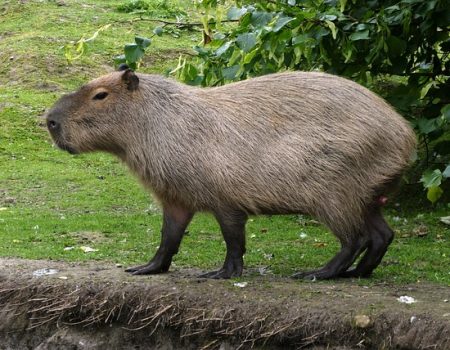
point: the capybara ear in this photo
(130, 79)
(122, 67)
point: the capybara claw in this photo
(219, 274)
(135, 268)
(314, 275)
(131, 270)
(307, 276)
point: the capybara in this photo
(287, 143)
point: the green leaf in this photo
(245, 20)
(132, 65)
(361, 26)
(201, 51)
(260, 19)
(332, 27)
(189, 73)
(320, 32)
(234, 13)
(446, 172)
(363, 35)
(446, 112)
(281, 21)
(292, 2)
(403, 96)
(229, 73)
(431, 178)
(347, 51)
(219, 36)
(248, 57)
(342, 4)
(119, 59)
(158, 31)
(235, 57)
(426, 88)
(246, 41)
(301, 39)
(434, 193)
(221, 50)
(133, 52)
(143, 42)
(328, 18)
(428, 125)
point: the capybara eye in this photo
(100, 95)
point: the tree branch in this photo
(417, 74)
(174, 23)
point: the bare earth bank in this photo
(99, 306)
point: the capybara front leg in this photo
(175, 221)
(232, 224)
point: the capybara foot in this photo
(231, 268)
(148, 269)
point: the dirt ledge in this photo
(87, 306)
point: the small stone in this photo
(269, 256)
(421, 231)
(241, 284)
(303, 235)
(362, 321)
(406, 299)
(88, 249)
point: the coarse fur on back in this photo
(295, 142)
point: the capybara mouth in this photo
(66, 147)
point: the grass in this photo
(50, 200)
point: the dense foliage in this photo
(400, 48)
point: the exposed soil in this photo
(99, 306)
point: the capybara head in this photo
(87, 120)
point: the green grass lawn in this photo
(50, 200)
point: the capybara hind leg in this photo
(232, 224)
(341, 262)
(380, 237)
(175, 221)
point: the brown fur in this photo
(299, 142)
